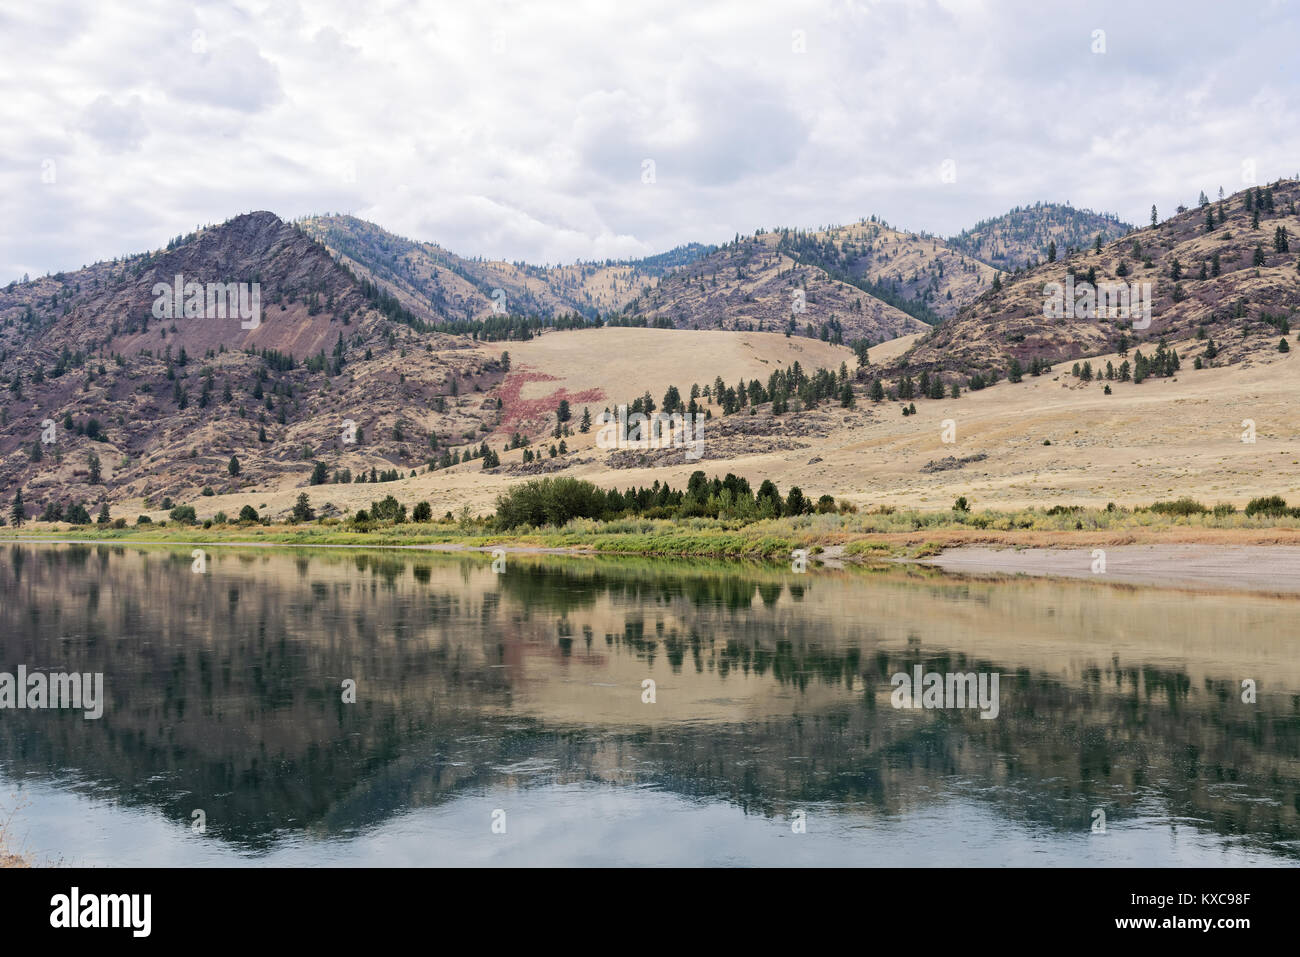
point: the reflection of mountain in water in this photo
(224, 688)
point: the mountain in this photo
(862, 281)
(750, 284)
(1022, 236)
(1228, 283)
(163, 403)
(438, 285)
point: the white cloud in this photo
(518, 130)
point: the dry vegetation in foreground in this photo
(9, 857)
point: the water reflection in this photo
(772, 692)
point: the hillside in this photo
(853, 282)
(163, 404)
(1022, 237)
(439, 285)
(752, 284)
(1228, 283)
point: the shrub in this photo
(143, 520)
(119, 523)
(422, 512)
(1182, 506)
(388, 510)
(549, 502)
(248, 514)
(207, 490)
(183, 514)
(1272, 505)
(221, 518)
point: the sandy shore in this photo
(1263, 568)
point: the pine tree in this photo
(877, 393)
(585, 425)
(18, 513)
(233, 466)
(302, 510)
(1153, 214)
(92, 462)
(1051, 251)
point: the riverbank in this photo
(1270, 568)
(984, 542)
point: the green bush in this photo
(184, 514)
(1181, 506)
(248, 514)
(1271, 505)
(549, 502)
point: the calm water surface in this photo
(519, 697)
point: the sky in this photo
(556, 131)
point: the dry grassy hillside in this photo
(1048, 440)
(1229, 283)
(1022, 237)
(751, 285)
(436, 284)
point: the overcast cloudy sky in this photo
(521, 130)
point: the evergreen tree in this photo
(302, 510)
(233, 465)
(18, 512)
(92, 462)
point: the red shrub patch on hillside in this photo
(517, 411)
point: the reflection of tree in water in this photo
(224, 694)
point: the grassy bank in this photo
(864, 537)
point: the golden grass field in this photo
(1161, 439)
